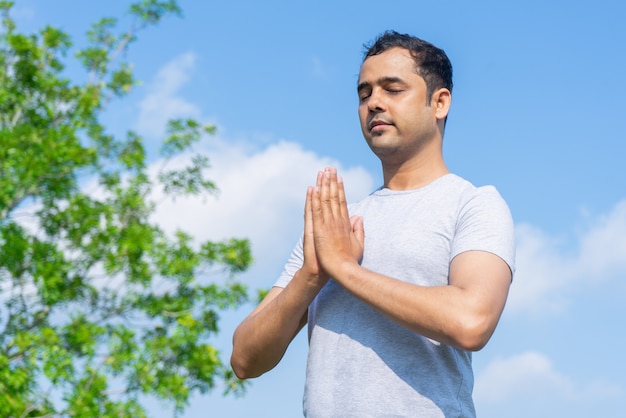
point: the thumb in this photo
(356, 222)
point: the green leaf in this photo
(100, 306)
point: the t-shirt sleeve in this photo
(485, 224)
(292, 266)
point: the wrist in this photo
(342, 270)
(313, 281)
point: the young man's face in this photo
(396, 117)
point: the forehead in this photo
(395, 62)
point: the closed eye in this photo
(364, 91)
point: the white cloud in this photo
(261, 197)
(546, 273)
(526, 373)
(532, 375)
(603, 248)
(162, 101)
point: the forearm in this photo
(261, 340)
(462, 314)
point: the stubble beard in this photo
(386, 147)
(393, 150)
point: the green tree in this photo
(98, 305)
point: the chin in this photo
(385, 151)
(383, 145)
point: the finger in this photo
(324, 190)
(308, 214)
(308, 244)
(318, 180)
(333, 190)
(315, 197)
(343, 204)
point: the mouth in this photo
(377, 125)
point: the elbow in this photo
(239, 361)
(242, 368)
(249, 361)
(237, 368)
(246, 365)
(473, 335)
(239, 371)
(473, 344)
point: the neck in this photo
(417, 172)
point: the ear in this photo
(441, 101)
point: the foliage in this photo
(98, 305)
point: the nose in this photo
(375, 103)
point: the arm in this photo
(463, 314)
(261, 340)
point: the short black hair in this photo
(431, 63)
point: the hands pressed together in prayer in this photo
(332, 239)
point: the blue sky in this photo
(537, 111)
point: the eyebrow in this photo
(383, 80)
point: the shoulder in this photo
(484, 222)
(467, 194)
(486, 199)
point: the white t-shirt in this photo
(362, 364)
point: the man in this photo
(398, 295)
